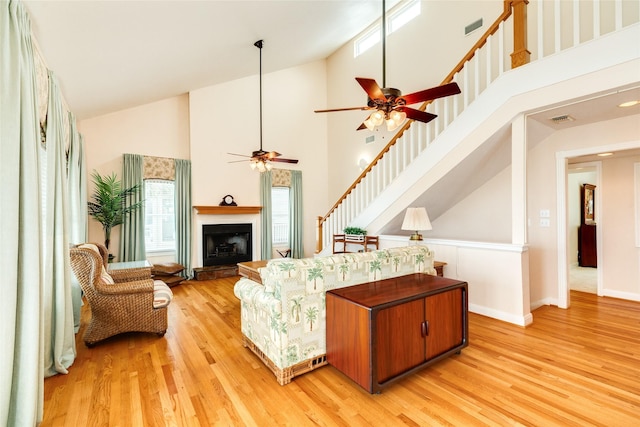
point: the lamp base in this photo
(416, 236)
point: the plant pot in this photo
(355, 237)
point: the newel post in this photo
(520, 55)
(319, 235)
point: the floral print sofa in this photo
(283, 319)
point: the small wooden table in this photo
(438, 265)
(249, 269)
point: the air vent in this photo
(562, 119)
(472, 27)
(370, 139)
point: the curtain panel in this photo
(266, 244)
(296, 222)
(132, 229)
(79, 218)
(183, 212)
(21, 317)
(59, 334)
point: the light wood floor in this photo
(571, 367)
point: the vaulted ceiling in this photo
(109, 55)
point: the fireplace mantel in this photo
(227, 210)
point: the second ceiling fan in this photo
(391, 107)
(261, 159)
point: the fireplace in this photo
(226, 244)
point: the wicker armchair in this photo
(126, 305)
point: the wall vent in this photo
(562, 119)
(369, 139)
(472, 27)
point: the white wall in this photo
(158, 129)
(225, 119)
(484, 215)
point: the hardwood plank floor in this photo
(576, 367)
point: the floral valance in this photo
(280, 178)
(159, 168)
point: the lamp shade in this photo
(416, 219)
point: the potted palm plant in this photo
(107, 205)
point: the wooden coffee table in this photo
(249, 269)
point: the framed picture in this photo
(588, 204)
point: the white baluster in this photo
(476, 76)
(465, 81)
(501, 55)
(489, 57)
(557, 18)
(540, 29)
(576, 22)
(596, 19)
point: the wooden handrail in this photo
(518, 28)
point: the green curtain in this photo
(182, 195)
(59, 338)
(132, 229)
(21, 317)
(265, 215)
(77, 190)
(296, 221)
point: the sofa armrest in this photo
(255, 294)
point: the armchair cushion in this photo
(162, 294)
(106, 277)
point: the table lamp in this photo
(416, 219)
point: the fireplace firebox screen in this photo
(226, 244)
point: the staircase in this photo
(488, 79)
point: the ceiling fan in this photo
(261, 159)
(389, 104)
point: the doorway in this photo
(583, 276)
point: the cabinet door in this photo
(400, 344)
(444, 321)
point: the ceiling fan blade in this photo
(239, 161)
(277, 159)
(362, 126)
(413, 114)
(371, 87)
(241, 155)
(342, 109)
(433, 93)
(271, 155)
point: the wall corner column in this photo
(519, 180)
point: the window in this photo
(159, 205)
(403, 15)
(280, 217)
(365, 42)
(395, 20)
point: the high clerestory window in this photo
(395, 20)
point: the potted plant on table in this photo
(355, 233)
(107, 203)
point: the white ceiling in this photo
(109, 55)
